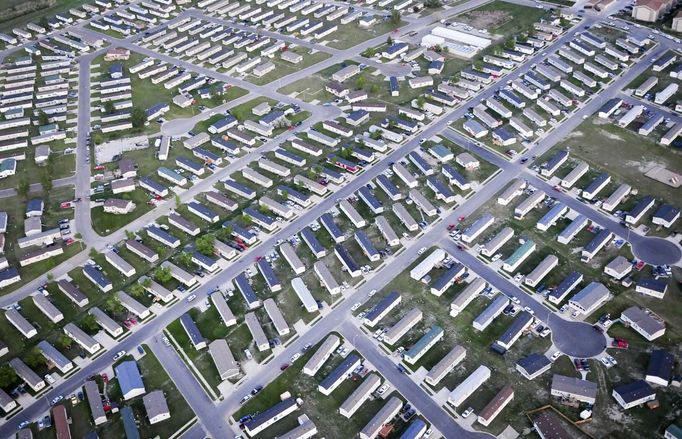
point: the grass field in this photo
(43, 9)
(502, 18)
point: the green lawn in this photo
(502, 18)
(40, 10)
(284, 68)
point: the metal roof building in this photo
(129, 379)
(247, 292)
(464, 298)
(386, 414)
(269, 275)
(569, 232)
(223, 309)
(496, 405)
(541, 270)
(445, 365)
(493, 310)
(533, 365)
(496, 242)
(276, 316)
(321, 355)
(20, 323)
(328, 223)
(326, 278)
(133, 305)
(360, 395)
(259, 337)
(381, 309)
(192, 331)
(447, 279)
(400, 328)
(570, 282)
(347, 260)
(366, 246)
(119, 263)
(339, 374)
(589, 298)
(27, 374)
(79, 336)
(292, 258)
(106, 322)
(434, 335)
(468, 386)
(55, 357)
(303, 294)
(574, 388)
(387, 231)
(223, 359)
(156, 407)
(95, 402)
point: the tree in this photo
(433, 3)
(8, 377)
(163, 274)
(136, 290)
(89, 323)
(34, 358)
(23, 187)
(204, 244)
(93, 253)
(360, 82)
(374, 89)
(43, 119)
(129, 234)
(78, 235)
(113, 305)
(369, 53)
(346, 153)
(147, 282)
(64, 341)
(109, 107)
(50, 277)
(138, 117)
(395, 17)
(246, 220)
(185, 258)
(376, 135)
(44, 22)
(389, 40)
(421, 100)
(225, 232)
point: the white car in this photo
(529, 310)
(605, 362)
(496, 257)
(371, 293)
(295, 357)
(382, 389)
(515, 299)
(355, 306)
(119, 354)
(191, 297)
(467, 412)
(555, 356)
(421, 250)
(49, 379)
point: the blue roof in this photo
(34, 205)
(256, 215)
(205, 154)
(388, 185)
(165, 236)
(347, 258)
(384, 303)
(191, 329)
(415, 430)
(96, 276)
(328, 222)
(268, 273)
(440, 187)
(223, 144)
(244, 287)
(115, 68)
(357, 115)
(226, 121)
(240, 187)
(290, 155)
(365, 243)
(369, 198)
(309, 237)
(454, 174)
(598, 240)
(292, 193)
(396, 47)
(189, 163)
(128, 376)
(567, 285)
(129, 424)
(419, 162)
(394, 83)
(340, 371)
(155, 108)
(203, 210)
(171, 173)
(205, 260)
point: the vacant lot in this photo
(502, 18)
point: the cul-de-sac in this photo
(340, 219)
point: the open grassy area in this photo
(625, 155)
(502, 18)
(284, 68)
(349, 35)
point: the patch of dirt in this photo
(487, 19)
(575, 134)
(612, 136)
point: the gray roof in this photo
(155, 404)
(223, 359)
(533, 363)
(574, 386)
(52, 354)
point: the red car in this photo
(461, 218)
(451, 227)
(99, 168)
